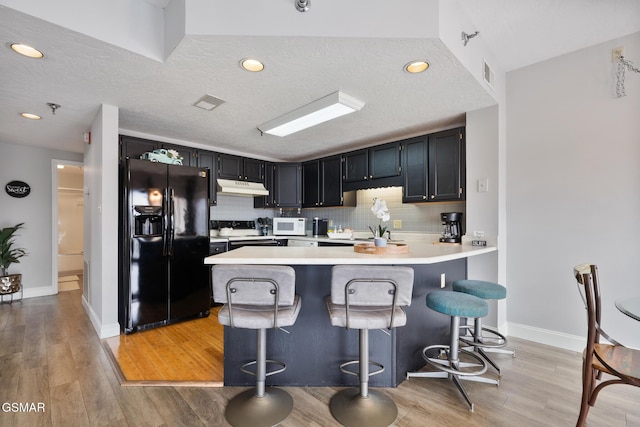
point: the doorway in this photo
(68, 201)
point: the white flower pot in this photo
(380, 241)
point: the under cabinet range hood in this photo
(241, 188)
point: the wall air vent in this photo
(488, 75)
(208, 102)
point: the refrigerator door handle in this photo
(171, 230)
(165, 232)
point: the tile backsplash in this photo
(416, 217)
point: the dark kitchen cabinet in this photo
(322, 184)
(416, 162)
(207, 159)
(384, 161)
(288, 185)
(374, 166)
(434, 167)
(447, 172)
(188, 154)
(269, 200)
(240, 168)
(356, 166)
(133, 147)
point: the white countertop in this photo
(419, 253)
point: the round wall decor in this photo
(17, 189)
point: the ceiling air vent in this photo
(208, 102)
(487, 74)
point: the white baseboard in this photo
(103, 331)
(42, 291)
(548, 337)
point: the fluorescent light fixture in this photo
(324, 109)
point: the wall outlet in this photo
(616, 53)
(443, 280)
(397, 224)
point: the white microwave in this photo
(289, 226)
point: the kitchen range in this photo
(238, 233)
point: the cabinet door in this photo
(356, 166)
(288, 182)
(311, 184)
(188, 154)
(446, 166)
(133, 148)
(415, 170)
(230, 167)
(384, 161)
(253, 170)
(331, 192)
(207, 159)
(266, 201)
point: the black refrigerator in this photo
(164, 229)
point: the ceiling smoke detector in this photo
(208, 102)
(303, 5)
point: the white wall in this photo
(101, 223)
(33, 166)
(573, 168)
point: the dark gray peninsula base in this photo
(313, 349)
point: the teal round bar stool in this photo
(456, 305)
(483, 339)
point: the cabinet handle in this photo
(370, 176)
(424, 197)
(433, 197)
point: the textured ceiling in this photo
(155, 98)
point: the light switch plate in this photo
(483, 185)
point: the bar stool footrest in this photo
(454, 367)
(356, 362)
(244, 369)
(497, 340)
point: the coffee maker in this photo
(452, 223)
(320, 226)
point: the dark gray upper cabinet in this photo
(384, 161)
(189, 155)
(356, 166)
(207, 159)
(447, 172)
(270, 200)
(240, 168)
(132, 147)
(415, 170)
(288, 185)
(311, 184)
(374, 166)
(322, 183)
(434, 167)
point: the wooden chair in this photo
(613, 359)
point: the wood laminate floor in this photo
(51, 358)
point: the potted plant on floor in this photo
(9, 283)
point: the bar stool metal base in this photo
(352, 410)
(491, 342)
(248, 410)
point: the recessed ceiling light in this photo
(30, 116)
(208, 102)
(26, 50)
(414, 67)
(252, 65)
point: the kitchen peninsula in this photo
(313, 349)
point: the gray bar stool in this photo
(363, 298)
(491, 340)
(456, 305)
(257, 297)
